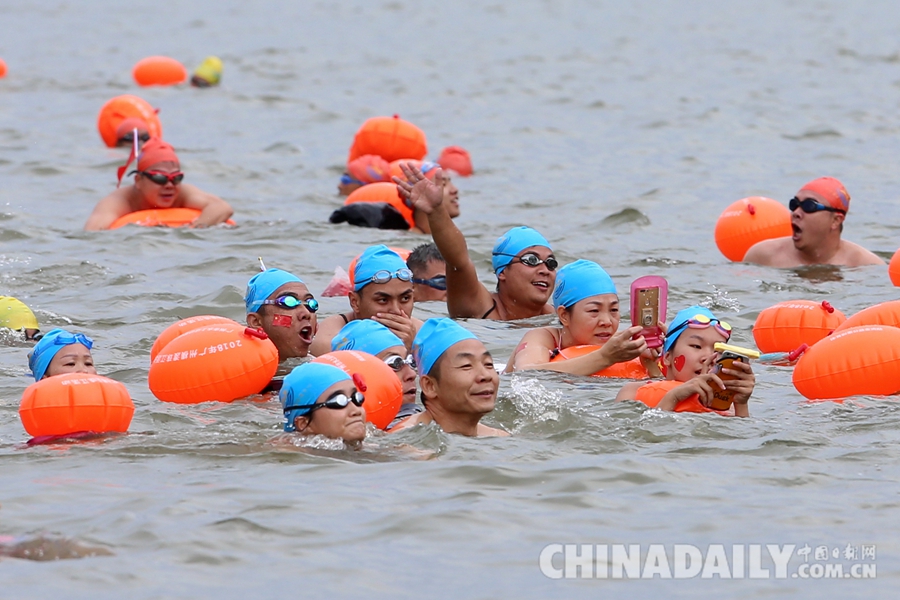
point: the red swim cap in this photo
(456, 159)
(832, 192)
(369, 169)
(129, 125)
(154, 152)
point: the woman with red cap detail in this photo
(818, 211)
(157, 184)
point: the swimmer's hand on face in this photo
(421, 192)
(401, 325)
(702, 385)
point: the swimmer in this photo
(365, 335)
(689, 354)
(429, 273)
(60, 352)
(450, 197)
(382, 291)
(15, 315)
(522, 259)
(458, 380)
(125, 132)
(280, 304)
(818, 212)
(587, 305)
(157, 184)
(311, 387)
(362, 171)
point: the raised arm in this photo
(466, 296)
(213, 210)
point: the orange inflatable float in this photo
(633, 369)
(886, 313)
(160, 217)
(748, 221)
(75, 403)
(221, 362)
(159, 70)
(383, 392)
(124, 107)
(391, 138)
(786, 325)
(856, 361)
(651, 393)
(2, 68)
(894, 268)
(386, 193)
(183, 326)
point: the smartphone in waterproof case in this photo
(649, 296)
(722, 399)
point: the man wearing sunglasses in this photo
(522, 259)
(429, 273)
(818, 212)
(157, 184)
(382, 291)
(281, 304)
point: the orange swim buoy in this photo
(403, 252)
(74, 403)
(786, 325)
(651, 393)
(2, 68)
(632, 369)
(856, 361)
(160, 217)
(748, 221)
(221, 362)
(385, 192)
(383, 392)
(391, 138)
(124, 107)
(886, 313)
(183, 326)
(159, 70)
(894, 269)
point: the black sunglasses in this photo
(438, 282)
(531, 259)
(808, 205)
(289, 301)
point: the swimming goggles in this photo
(438, 282)
(531, 259)
(701, 321)
(385, 276)
(336, 401)
(348, 180)
(288, 301)
(160, 178)
(129, 137)
(808, 205)
(396, 362)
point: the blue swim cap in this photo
(511, 243)
(262, 285)
(428, 166)
(365, 335)
(579, 280)
(679, 323)
(434, 338)
(303, 386)
(376, 259)
(49, 345)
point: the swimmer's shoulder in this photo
(422, 418)
(857, 256)
(485, 431)
(767, 252)
(629, 391)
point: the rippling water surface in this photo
(620, 130)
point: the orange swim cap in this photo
(156, 151)
(369, 169)
(456, 159)
(832, 192)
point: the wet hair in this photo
(422, 255)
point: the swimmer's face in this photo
(345, 189)
(591, 321)
(74, 358)
(394, 297)
(406, 375)
(426, 293)
(810, 229)
(348, 423)
(451, 196)
(290, 329)
(533, 285)
(697, 346)
(466, 382)
(155, 195)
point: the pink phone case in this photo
(652, 333)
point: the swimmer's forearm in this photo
(448, 238)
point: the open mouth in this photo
(796, 231)
(543, 285)
(306, 334)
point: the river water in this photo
(620, 130)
